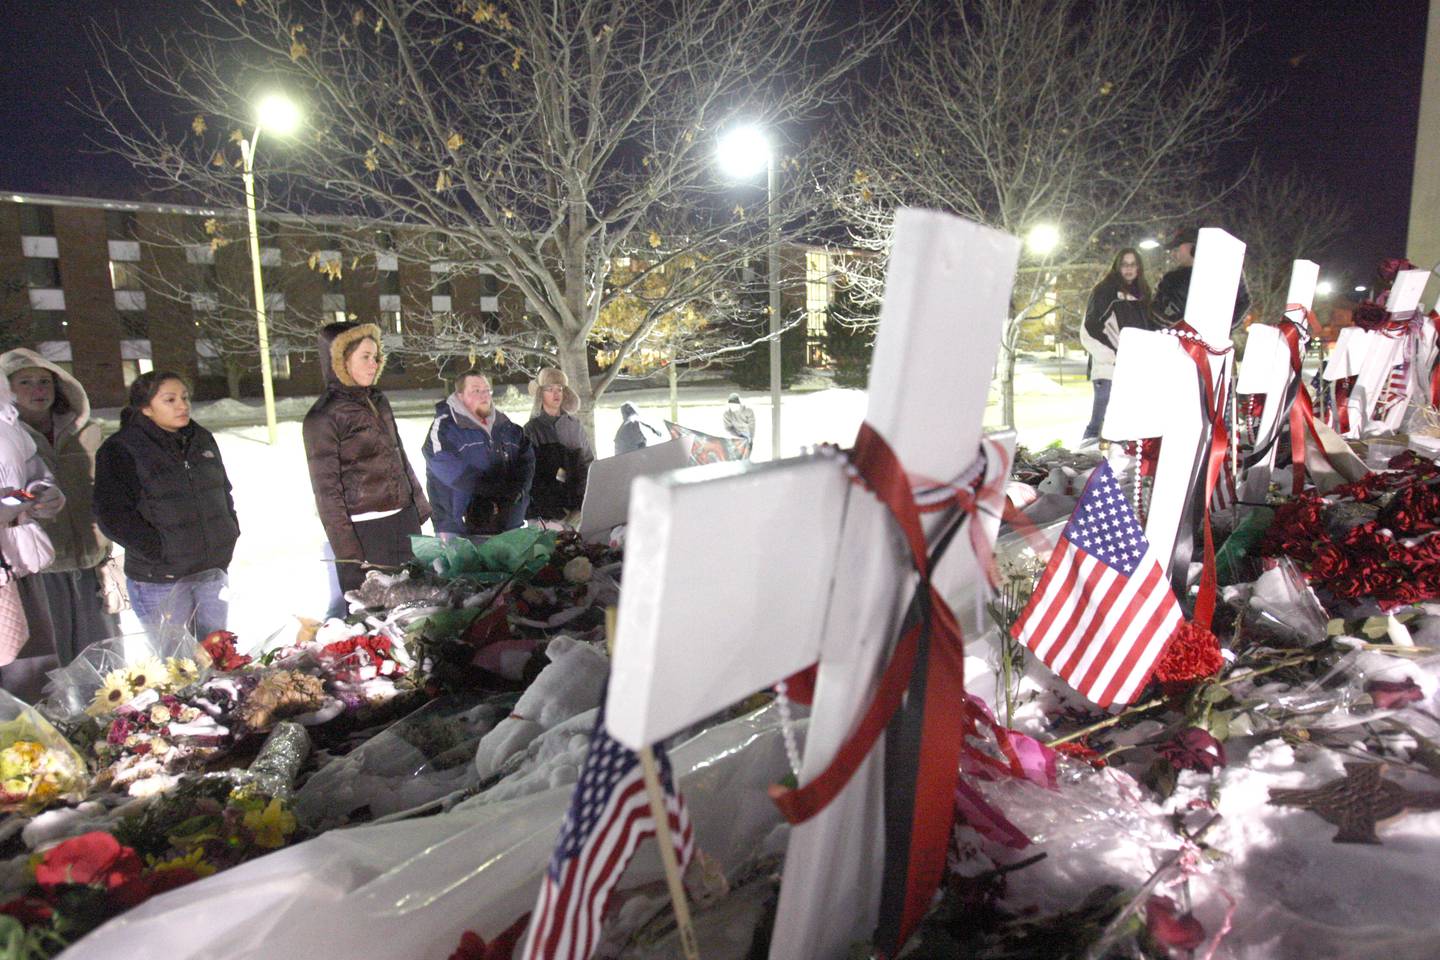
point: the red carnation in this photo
(1389, 694)
(1193, 654)
(95, 857)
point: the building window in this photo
(388, 282)
(280, 360)
(47, 325)
(42, 272)
(817, 304)
(125, 276)
(390, 322)
(134, 325)
(37, 220)
(130, 369)
(208, 362)
(489, 285)
(120, 224)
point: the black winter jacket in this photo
(562, 464)
(165, 498)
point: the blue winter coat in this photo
(478, 481)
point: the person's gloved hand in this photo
(49, 499)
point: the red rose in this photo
(1193, 749)
(30, 911)
(1329, 561)
(1169, 927)
(95, 857)
(1392, 694)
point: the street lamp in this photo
(1042, 239)
(743, 152)
(1361, 288)
(279, 114)
(1149, 243)
(1324, 288)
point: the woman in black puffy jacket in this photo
(161, 492)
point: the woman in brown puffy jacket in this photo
(369, 500)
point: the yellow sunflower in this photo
(145, 674)
(182, 671)
(114, 691)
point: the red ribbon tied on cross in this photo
(949, 717)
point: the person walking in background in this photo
(1173, 291)
(162, 493)
(1120, 300)
(478, 463)
(562, 450)
(634, 433)
(739, 420)
(366, 493)
(55, 409)
(28, 494)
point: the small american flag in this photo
(1395, 391)
(1103, 610)
(609, 817)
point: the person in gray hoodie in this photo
(55, 410)
(478, 463)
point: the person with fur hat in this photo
(562, 450)
(366, 493)
(1173, 290)
(28, 495)
(55, 409)
(478, 463)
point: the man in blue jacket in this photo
(478, 463)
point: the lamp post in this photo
(281, 116)
(741, 152)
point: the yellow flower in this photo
(271, 826)
(194, 860)
(145, 674)
(160, 714)
(182, 671)
(114, 691)
(158, 746)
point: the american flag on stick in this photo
(1103, 610)
(609, 817)
(1395, 391)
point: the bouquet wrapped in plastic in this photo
(38, 766)
(116, 672)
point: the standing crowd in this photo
(158, 488)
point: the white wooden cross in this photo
(1155, 391)
(738, 575)
(1267, 371)
(1371, 356)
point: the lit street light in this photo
(278, 114)
(742, 153)
(1149, 243)
(1324, 288)
(1361, 288)
(1042, 239)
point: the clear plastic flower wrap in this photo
(1283, 603)
(420, 758)
(109, 674)
(38, 766)
(275, 768)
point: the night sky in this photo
(1346, 81)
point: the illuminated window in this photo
(817, 304)
(125, 276)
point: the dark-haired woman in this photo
(1120, 300)
(55, 410)
(368, 498)
(161, 492)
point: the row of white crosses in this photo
(1371, 357)
(739, 575)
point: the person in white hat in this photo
(563, 452)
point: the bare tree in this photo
(1283, 219)
(537, 139)
(1095, 118)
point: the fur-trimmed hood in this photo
(548, 377)
(334, 338)
(66, 385)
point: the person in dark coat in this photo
(1120, 300)
(634, 433)
(562, 450)
(1173, 291)
(368, 498)
(162, 493)
(478, 463)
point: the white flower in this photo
(579, 570)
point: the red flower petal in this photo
(1170, 928)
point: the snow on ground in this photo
(278, 571)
